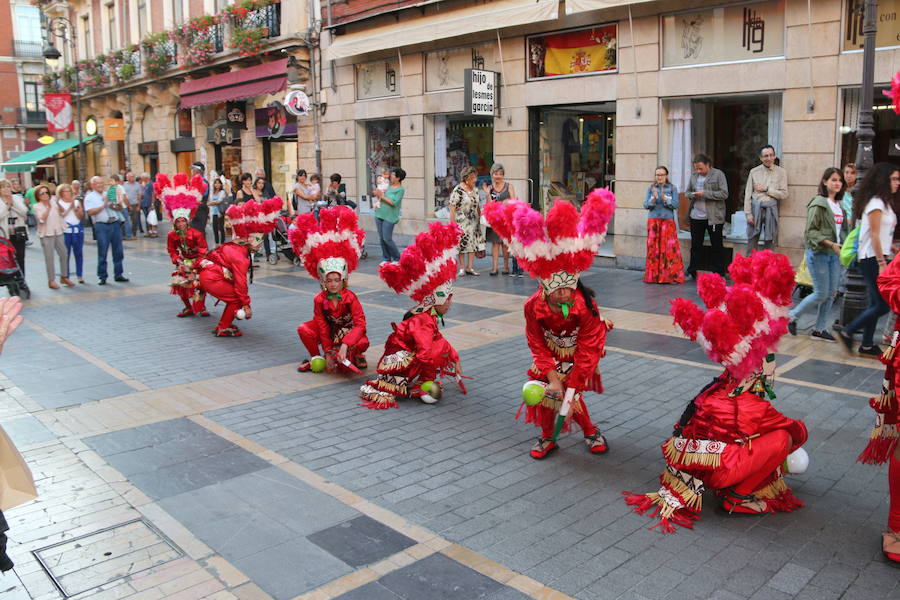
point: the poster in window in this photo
(273, 121)
(579, 52)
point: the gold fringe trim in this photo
(688, 497)
(773, 490)
(559, 351)
(396, 361)
(886, 396)
(707, 460)
(884, 431)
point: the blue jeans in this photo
(109, 234)
(389, 251)
(74, 237)
(126, 223)
(825, 270)
(868, 319)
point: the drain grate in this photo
(98, 558)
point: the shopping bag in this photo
(151, 219)
(684, 212)
(802, 276)
(850, 248)
(16, 482)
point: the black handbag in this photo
(19, 234)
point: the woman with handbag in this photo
(73, 214)
(664, 264)
(465, 210)
(498, 191)
(13, 215)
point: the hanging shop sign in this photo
(297, 103)
(182, 144)
(114, 130)
(148, 148)
(223, 132)
(570, 53)
(236, 114)
(482, 93)
(273, 121)
(886, 18)
(726, 34)
(377, 79)
(59, 112)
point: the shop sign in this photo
(377, 79)
(571, 53)
(444, 68)
(114, 130)
(482, 93)
(145, 148)
(887, 20)
(59, 112)
(182, 144)
(236, 114)
(297, 103)
(222, 132)
(274, 122)
(726, 34)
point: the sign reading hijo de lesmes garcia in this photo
(482, 93)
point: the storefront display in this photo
(277, 129)
(886, 145)
(578, 52)
(458, 143)
(382, 149)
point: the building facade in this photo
(600, 92)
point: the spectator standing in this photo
(73, 214)
(873, 209)
(850, 180)
(387, 215)
(147, 202)
(269, 190)
(50, 227)
(498, 191)
(115, 193)
(304, 200)
(664, 264)
(245, 191)
(217, 206)
(707, 191)
(767, 185)
(465, 210)
(202, 215)
(134, 191)
(13, 216)
(827, 225)
(77, 192)
(261, 195)
(106, 214)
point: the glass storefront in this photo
(886, 145)
(460, 141)
(382, 149)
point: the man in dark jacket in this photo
(707, 193)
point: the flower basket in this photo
(250, 41)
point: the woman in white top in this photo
(13, 214)
(73, 213)
(873, 209)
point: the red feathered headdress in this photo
(555, 249)
(333, 244)
(743, 322)
(179, 196)
(254, 218)
(427, 267)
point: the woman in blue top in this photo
(388, 213)
(664, 264)
(217, 210)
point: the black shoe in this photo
(122, 279)
(872, 351)
(844, 340)
(101, 282)
(792, 327)
(821, 335)
(692, 274)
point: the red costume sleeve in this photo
(173, 245)
(321, 322)
(199, 243)
(589, 349)
(534, 334)
(237, 260)
(756, 416)
(432, 350)
(359, 319)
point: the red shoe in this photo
(890, 542)
(361, 363)
(204, 314)
(596, 443)
(542, 448)
(185, 313)
(229, 332)
(737, 508)
(304, 367)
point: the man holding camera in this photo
(106, 215)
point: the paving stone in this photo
(370, 591)
(361, 541)
(25, 431)
(438, 577)
(291, 568)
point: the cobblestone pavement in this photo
(172, 464)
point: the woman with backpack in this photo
(873, 210)
(826, 227)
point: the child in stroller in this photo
(282, 243)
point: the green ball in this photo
(433, 389)
(533, 393)
(318, 364)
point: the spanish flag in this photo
(586, 51)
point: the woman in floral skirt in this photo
(664, 263)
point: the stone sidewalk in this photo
(172, 464)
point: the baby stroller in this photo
(282, 243)
(10, 273)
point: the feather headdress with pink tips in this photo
(743, 322)
(254, 219)
(554, 249)
(180, 196)
(333, 244)
(427, 267)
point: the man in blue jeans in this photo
(106, 216)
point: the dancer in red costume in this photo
(416, 354)
(186, 245)
(563, 326)
(730, 438)
(225, 269)
(330, 249)
(883, 445)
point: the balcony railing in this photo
(31, 117)
(216, 36)
(26, 49)
(267, 16)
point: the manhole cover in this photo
(95, 559)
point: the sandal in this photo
(305, 366)
(187, 312)
(740, 505)
(493, 273)
(596, 443)
(542, 448)
(889, 543)
(204, 313)
(361, 362)
(472, 272)
(505, 272)
(229, 332)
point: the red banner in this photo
(59, 112)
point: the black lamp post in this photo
(62, 28)
(865, 131)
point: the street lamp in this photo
(62, 29)
(865, 131)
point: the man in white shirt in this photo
(106, 217)
(767, 185)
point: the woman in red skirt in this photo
(664, 263)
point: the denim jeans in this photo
(825, 270)
(868, 319)
(126, 223)
(109, 235)
(389, 251)
(74, 237)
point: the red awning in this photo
(262, 79)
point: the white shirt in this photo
(71, 217)
(94, 200)
(698, 211)
(838, 211)
(885, 233)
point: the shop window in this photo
(888, 33)
(460, 142)
(111, 26)
(572, 53)
(86, 37)
(378, 79)
(382, 148)
(184, 123)
(28, 24)
(34, 99)
(445, 69)
(142, 23)
(886, 145)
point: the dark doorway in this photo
(740, 130)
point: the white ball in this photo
(797, 461)
(241, 314)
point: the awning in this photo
(578, 6)
(480, 17)
(27, 162)
(244, 83)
